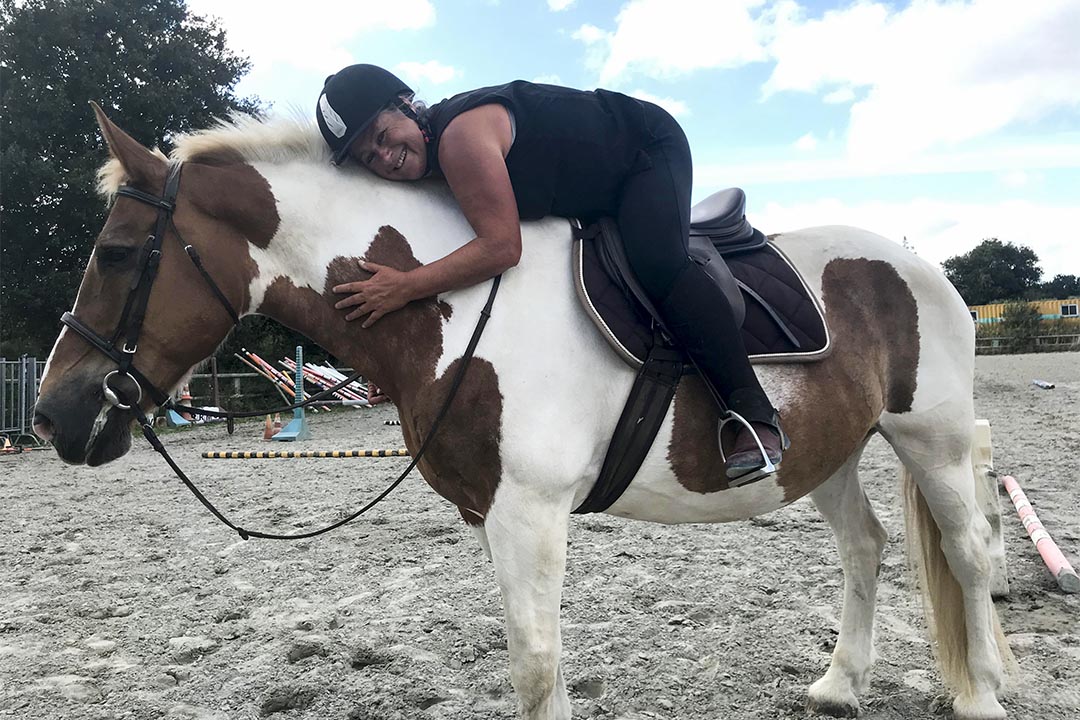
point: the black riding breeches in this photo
(654, 219)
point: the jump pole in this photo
(297, 429)
(272, 454)
(1055, 560)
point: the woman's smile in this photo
(393, 148)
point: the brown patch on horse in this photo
(414, 333)
(693, 452)
(401, 353)
(873, 318)
(237, 194)
(890, 319)
(462, 461)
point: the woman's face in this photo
(392, 147)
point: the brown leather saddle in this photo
(780, 319)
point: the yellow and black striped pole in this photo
(273, 454)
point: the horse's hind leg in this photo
(948, 535)
(527, 534)
(860, 540)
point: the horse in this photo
(277, 226)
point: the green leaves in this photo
(993, 272)
(157, 71)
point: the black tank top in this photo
(572, 150)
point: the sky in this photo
(936, 122)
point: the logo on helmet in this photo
(333, 121)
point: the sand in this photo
(120, 597)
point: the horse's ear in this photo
(141, 165)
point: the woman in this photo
(523, 151)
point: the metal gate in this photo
(19, 381)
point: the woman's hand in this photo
(384, 292)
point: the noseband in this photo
(131, 319)
(130, 325)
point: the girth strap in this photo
(644, 412)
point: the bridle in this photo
(131, 319)
(130, 326)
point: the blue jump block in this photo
(297, 429)
(174, 419)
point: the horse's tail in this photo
(942, 594)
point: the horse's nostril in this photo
(43, 427)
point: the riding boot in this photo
(697, 312)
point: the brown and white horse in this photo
(277, 227)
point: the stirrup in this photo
(767, 467)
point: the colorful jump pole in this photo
(1055, 560)
(297, 429)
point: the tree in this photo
(1020, 323)
(1062, 286)
(993, 271)
(152, 65)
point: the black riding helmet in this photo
(350, 100)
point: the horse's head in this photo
(145, 315)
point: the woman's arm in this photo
(472, 155)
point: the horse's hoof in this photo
(985, 707)
(832, 695)
(833, 708)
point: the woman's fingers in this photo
(354, 299)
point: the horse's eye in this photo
(113, 256)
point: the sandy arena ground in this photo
(120, 597)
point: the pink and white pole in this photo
(1055, 560)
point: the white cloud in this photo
(559, 5)
(596, 43)
(665, 38)
(589, 34)
(1018, 156)
(432, 71)
(677, 108)
(313, 37)
(1016, 178)
(839, 97)
(931, 74)
(807, 142)
(548, 79)
(940, 230)
(935, 73)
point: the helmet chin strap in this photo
(406, 108)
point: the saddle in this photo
(780, 319)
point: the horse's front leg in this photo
(526, 535)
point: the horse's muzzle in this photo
(73, 426)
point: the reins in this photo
(155, 441)
(130, 326)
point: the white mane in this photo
(279, 139)
(242, 138)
